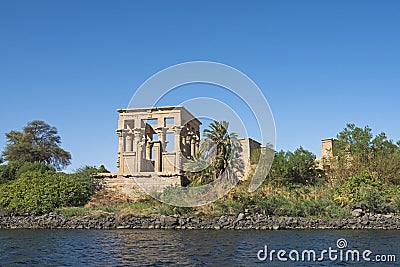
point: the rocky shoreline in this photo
(243, 221)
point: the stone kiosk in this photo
(156, 140)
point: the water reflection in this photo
(173, 248)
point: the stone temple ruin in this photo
(159, 140)
(156, 140)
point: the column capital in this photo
(139, 134)
(160, 129)
(177, 129)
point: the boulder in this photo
(357, 213)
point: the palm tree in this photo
(198, 169)
(219, 148)
(225, 145)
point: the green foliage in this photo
(199, 170)
(297, 203)
(35, 191)
(8, 172)
(296, 167)
(166, 209)
(33, 167)
(396, 202)
(73, 211)
(12, 171)
(219, 153)
(102, 169)
(363, 189)
(38, 142)
(357, 149)
(90, 170)
(227, 206)
(294, 201)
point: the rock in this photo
(168, 220)
(108, 225)
(240, 217)
(364, 220)
(387, 216)
(357, 213)
(182, 221)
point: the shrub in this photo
(365, 190)
(102, 169)
(12, 170)
(8, 172)
(166, 209)
(296, 167)
(227, 206)
(396, 204)
(34, 167)
(35, 191)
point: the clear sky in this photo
(320, 64)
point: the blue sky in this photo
(320, 64)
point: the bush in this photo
(166, 209)
(12, 171)
(227, 206)
(34, 167)
(365, 190)
(39, 192)
(296, 167)
(102, 169)
(396, 204)
(8, 172)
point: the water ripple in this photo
(174, 248)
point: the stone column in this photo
(128, 143)
(157, 157)
(184, 141)
(183, 149)
(178, 152)
(120, 148)
(188, 152)
(161, 132)
(138, 140)
(148, 149)
(197, 143)
(192, 146)
(120, 141)
(177, 136)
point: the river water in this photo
(196, 247)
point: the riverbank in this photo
(243, 221)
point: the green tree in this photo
(38, 142)
(199, 169)
(223, 144)
(219, 154)
(296, 167)
(357, 149)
